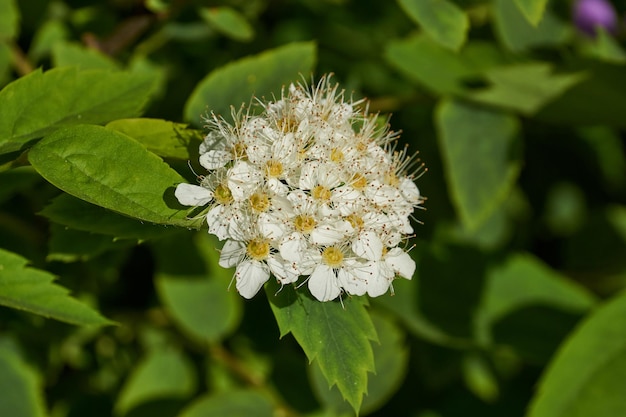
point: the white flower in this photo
(310, 188)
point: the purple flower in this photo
(589, 15)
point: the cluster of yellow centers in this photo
(332, 256)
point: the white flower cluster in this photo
(312, 186)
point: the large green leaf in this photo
(164, 373)
(391, 357)
(524, 281)
(164, 138)
(476, 144)
(586, 377)
(32, 290)
(109, 169)
(68, 54)
(81, 215)
(517, 34)
(260, 75)
(532, 9)
(232, 404)
(21, 387)
(336, 335)
(38, 103)
(442, 20)
(524, 87)
(438, 69)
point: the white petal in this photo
(193, 195)
(250, 276)
(231, 253)
(323, 283)
(272, 226)
(350, 282)
(328, 234)
(368, 245)
(218, 222)
(409, 191)
(379, 282)
(215, 159)
(283, 270)
(401, 262)
(243, 180)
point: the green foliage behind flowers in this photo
(112, 297)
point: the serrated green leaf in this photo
(32, 290)
(442, 20)
(518, 35)
(41, 102)
(335, 335)
(80, 215)
(232, 404)
(164, 373)
(525, 87)
(68, 54)
(532, 10)
(111, 170)
(164, 138)
(260, 75)
(391, 357)
(476, 144)
(228, 21)
(9, 19)
(586, 377)
(21, 387)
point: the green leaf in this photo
(532, 9)
(524, 87)
(604, 47)
(232, 404)
(164, 373)
(336, 335)
(229, 22)
(80, 215)
(391, 357)
(518, 35)
(17, 180)
(604, 86)
(9, 19)
(586, 377)
(259, 75)
(164, 138)
(69, 245)
(32, 290)
(39, 103)
(21, 387)
(442, 20)
(48, 34)
(438, 69)
(109, 169)
(524, 281)
(479, 377)
(67, 54)
(476, 144)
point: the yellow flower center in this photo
(222, 195)
(258, 249)
(355, 220)
(239, 150)
(358, 181)
(319, 192)
(259, 202)
(304, 223)
(332, 256)
(273, 169)
(336, 155)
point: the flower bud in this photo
(589, 15)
